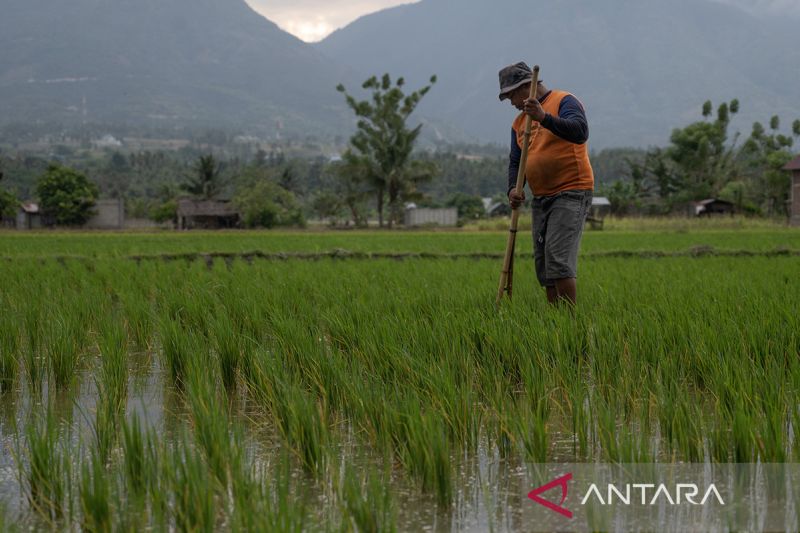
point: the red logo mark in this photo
(560, 482)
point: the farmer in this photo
(558, 172)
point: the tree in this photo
(351, 185)
(764, 155)
(704, 160)
(469, 207)
(266, 204)
(382, 145)
(66, 196)
(206, 182)
(8, 202)
(699, 162)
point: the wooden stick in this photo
(507, 274)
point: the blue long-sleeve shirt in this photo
(570, 125)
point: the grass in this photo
(293, 382)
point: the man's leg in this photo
(564, 231)
(552, 294)
(566, 290)
(539, 230)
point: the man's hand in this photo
(516, 198)
(534, 109)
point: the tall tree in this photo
(764, 155)
(66, 196)
(206, 179)
(8, 202)
(382, 145)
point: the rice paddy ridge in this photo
(341, 254)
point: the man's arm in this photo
(514, 157)
(570, 124)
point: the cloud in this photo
(313, 20)
(768, 6)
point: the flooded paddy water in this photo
(371, 393)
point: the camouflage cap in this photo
(514, 76)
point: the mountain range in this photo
(195, 63)
(641, 67)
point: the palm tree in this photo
(206, 181)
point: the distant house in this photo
(28, 216)
(108, 214)
(794, 195)
(207, 214)
(423, 216)
(496, 209)
(601, 206)
(710, 207)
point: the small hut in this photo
(711, 207)
(600, 207)
(206, 214)
(794, 194)
(28, 216)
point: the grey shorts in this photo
(557, 228)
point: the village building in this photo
(206, 214)
(710, 207)
(28, 216)
(108, 214)
(601, 206)
(423, 216)
(794, 194)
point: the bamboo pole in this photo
(507, 274)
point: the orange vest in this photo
(553, 165)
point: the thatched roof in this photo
(188, 207)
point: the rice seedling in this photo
(112, 386)
(274, 377)
(35, 361)
(95, 496)
(64, 338)
(194, 506)
(212, 429)
(367, 504)
(227, 344)
(46, 468)
(9, 352)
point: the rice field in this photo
(364, 381)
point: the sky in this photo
(313, 20)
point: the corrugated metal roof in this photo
(600, 201)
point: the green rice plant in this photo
(227, 345)
(5, 525)
(9, 352)
(531, 429)
(139, 458)
(47, 468)
(113, 375)
(300, 419)
(366, 504)
(194, 505)
(35, 360)
(212, 429)
(95, 496)
(65, 339)
(424, 450)
(112, 385)
(178, 347)
(269, 500)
